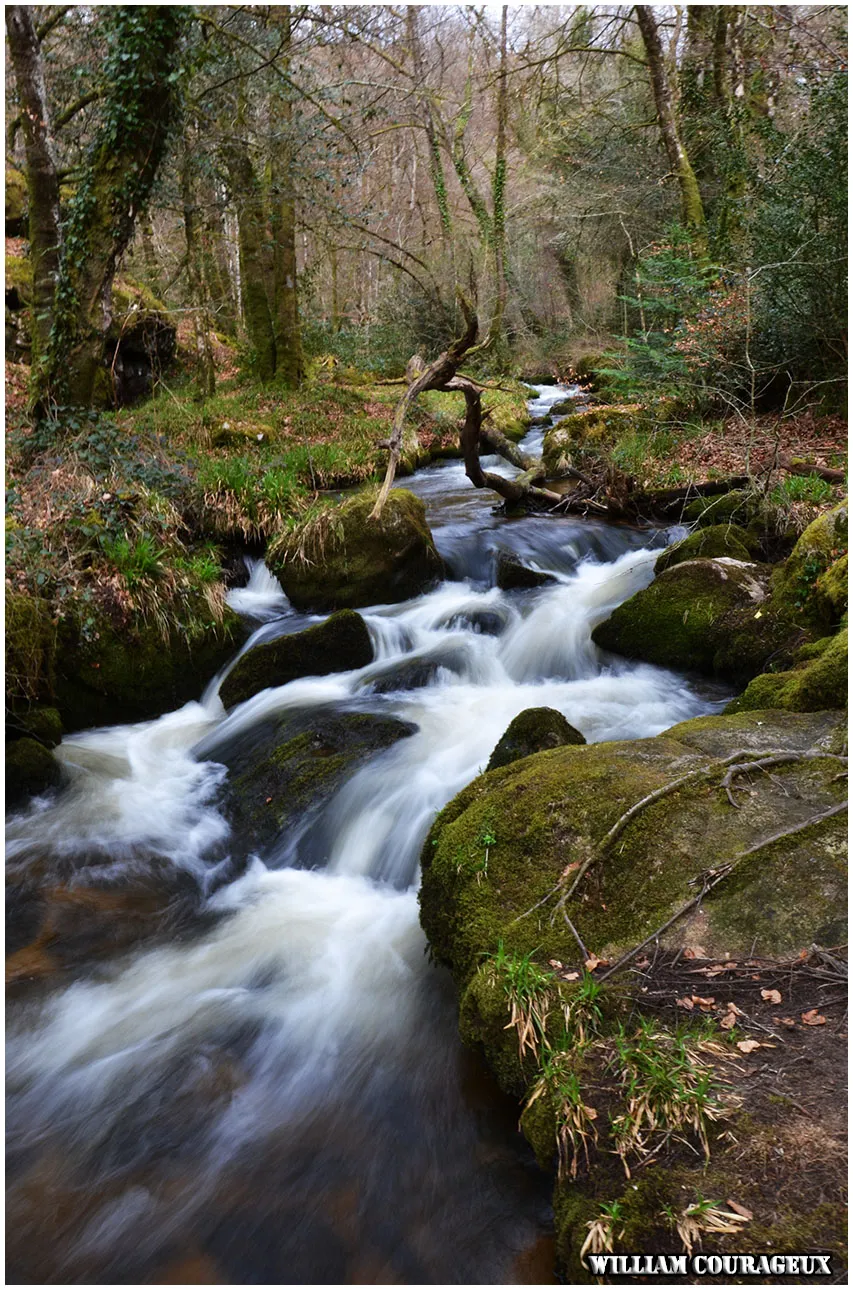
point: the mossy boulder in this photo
(818, 681)
(342, 559)
(739, 506)
(106, 674)
(281, 779)
(555, 808)
(709, 616)
(811, 586)
(41, 724)
(340, 644)
(31, 632)
(141, 338)
(17, 203)
(709, 543)
(533, 731)
(30, 769)
(512, 575)
(593, 431)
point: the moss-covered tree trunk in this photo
(248, 199)
(692, 208)
(205, 370)
(289, 364)
(42, 178)
(497, 337)
(140, 106)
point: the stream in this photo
(275, 1092)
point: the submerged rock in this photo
(302, 767)
(340, 644)
(532, 731)
(343, 559)
(513, 575)
(709, 543)
(708, 616)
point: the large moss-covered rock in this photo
(737, 506)
(811, 586)
(554, 809)
(533, 731)
(818, 681)
(340, 644)
(708, 616)
(30, 649)
(709, 543)
(594, 430)
(30, 768)
(41, 724)
(105, 675)
(342, 559)
(298, 768)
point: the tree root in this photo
(712, 877)
(774, 759)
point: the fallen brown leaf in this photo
(812, 1018)
(695, 952)
(727, 1021)
(571, 976)
(593, 962)
(555, 963)
(732, 1007)
(703, 1003)
(786, 1021)
(748, 1045)
(686, 1002)
(771, 996)
(740, 1209)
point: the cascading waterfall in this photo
(278, 1093)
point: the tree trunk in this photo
(205, 369)
(251, 229)
(692, 209)
(289, 364)
(436, 167)
(42, 178)
(140, 106)
(496, 328)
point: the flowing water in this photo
(272, 1089)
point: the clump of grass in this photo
(601, 1231)
(702, 1216)
(669, 1091)
(529, 994)
(802, 488)
(583, 1015)
(136, 559)
(575, 1125)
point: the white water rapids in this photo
(278, 1091)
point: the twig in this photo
(776, 759)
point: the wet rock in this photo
(30, 769)
(512, 575)
(709, 616)
(709, 543)
(301, 770)
(343, 559)
(534, 730)
(404, 676)
(340, 644)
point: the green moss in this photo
(811, 586)
(17, 199)
(553, 808)
(708, 616)
(737, 506)
(818, 682)
(344, 559)
(105, 675)
(532, 731)
(41, 724)
(19, 278)
(271, 792)
(340, 644)
(30, 768)
(715, 540)
(594, 431)
(30, 649)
